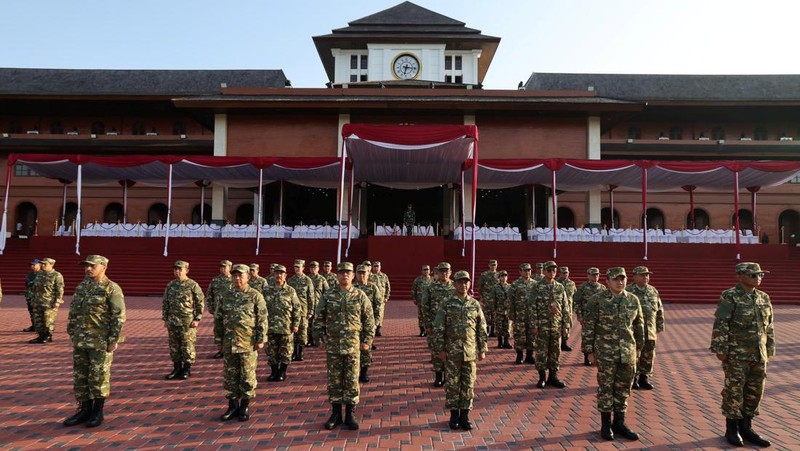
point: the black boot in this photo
(619, 427)
(176, 370)
(644, 383)
(455, 418)
(363, 375)
(439, 381)
(529, 358)
(464, 420)
(586, 361)
(299, 353)
(336, 417)
(273, 375)
(233, 409)
(96, 417)
(378, 331)
(747, 433)
(84, 410)
(542, 379)
(635, 384)
(349, 421)
(282, 372)
(421, 332)
(294, 352)
(186, 372)
(553, 381)
(244, 409)
(564, 345)
(519, 357)
(506, 344)
(605, 426)
(732, 432)
(30, 329)
(48, 338)
(38, 340)
(218, 355)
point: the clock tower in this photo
(406, 45)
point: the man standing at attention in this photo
(501, 299)
(409, 219)
(420, 284)
(743, 339)
(219, 285)
(96, 317)
(374, 295)
(283, 308)
(48, 294)
(304, 287)
(518, 313)
(181, 311)
(30, 279)
(653, 311)
(548, 304)
(382, 282)
(569, 288)
(432, 298)
(486, 283)
(321, 285)
(328, 274)
(257, 282)
(582, 295)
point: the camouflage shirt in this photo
(382, 282)
(344, 320)
(333, 281)
(743, 325)
(543, 299)
(570, 289)
(240, 321)
(409, 218)
(432, 298)
(320, 286)
(371, 290)
(183, 302)
(460, 329)
(582, 295)
(30, 281)
(216, 288)
(96, 315)
(501, 297)
(520, 292)
(283, 307)
(258, 283)
(48, 289)
(652, 308)
(304, 287)
(486, 282)
(613, 327)
(419, 285)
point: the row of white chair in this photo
(488, 233)
(726, 236)
(212, 231)
(396, 230)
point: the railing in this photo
(631, 235)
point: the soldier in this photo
(460, 338)
(548, 305)
(539, 272)
(344, 325)
(580, 301)
(486, 283)
(283, 308)
(653, 311)
(48, 294)
(30, 279)
(304, 287)
(257, 282)
(374, 295)
(382, 282)
(501, 299)
(613, 332)
(420, 284)
(409, 219)
(218, 286)
(432, 298)
(569, 287)
(743, 339)
(181, 311)
(320, 286)
(328, 274)
(240, 323)
(96, 317)
(518, 313)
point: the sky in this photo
(570, 36)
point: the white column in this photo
(219, 194)
(593, 200)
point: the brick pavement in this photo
(400, 409)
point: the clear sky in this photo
(584, 36)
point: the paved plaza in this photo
(400, 408)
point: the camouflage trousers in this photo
(523, 336)
(239, 372)
(279, 348)
(91, 373)
(343, 371)
(502, 324)
(646, 358)
(548, 349)
(29, 304)
(459, 384)
(44, 319)
(614, 380)
(301, 337)
(181, 343)
(377, 310)
(438, 364)
(489, 311)
(743, 388)
(420, 318)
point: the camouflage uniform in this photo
(432, 299)
(580, 303)
(569, 289)
(331, 279)
(409, 219)
(486, 283)
(417, 288)
(518, 313)
(30, 280)
(48, 295)
(653, 311)
(382, 282)
(258, 283)
(183, 303)
(543, 300)
(501, 299)
(304, 287)
(240, 325)
(283, 309)
(375, 297)
(218, 286)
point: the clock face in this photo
(406, 67)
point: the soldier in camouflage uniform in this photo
(240, 322)
(181, 311)
(548, 304)
(409, 219)
(582, 294)
(460, 339)
(30, 279)
(500, 297)
(48, 295)
(518, 313)
(653, 311)
(218, 286)
(284, 311)
(304, 287)
(320, 286)
(374, 295)
(257, 282)
(420, 284)
(570, 288)
(328, 274)
(382, 282)
(539, 272)
(432, 298)
(344, 325)
(743, 339)
(96, 317)
(613, 334)
(486, 283)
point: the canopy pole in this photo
(464, 220)
(169, 210)
(125, 201)
(474, 203)
(64, 206)
(260, 212)
(753, 205)
(203, 200)
(691, 209)
(78, 214)
(280, 204)
(533, 207)
(349, 214)
(4, 225)
(611, 202)
(339, 212)
(736, 212)
(554, 202)
(644, 210)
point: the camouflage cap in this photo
(255, 266)
(428, 267)
(181, 264)
(502, 273)
(593, 271)
(443, 266)
(313, 264)
(549, 264)
(327, 263)
(226, 263)
(241, 268)
(278, 268)
(94, 260)
(376, 263)
(540, 266)
(563, 269)
(48, 260)
(299, 262)
(344, 266)
(362, 268)
(641, 270)
(492, 262)
(749, 268)
(36, 261)
(366, 262)
(272, 266)
(461, 275)
(613, 273)
(525, 267)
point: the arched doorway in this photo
(113, 213)
(745, 219)
(565, 217)
(244, 214)
(655, 219)
(206, 214)
(789, 226)
(500, 207)
(157, 214)
(70, 214)
(605, 218)
(701, 219)
(27, 214)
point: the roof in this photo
(94, 82)
(405, 13)
(643, 87)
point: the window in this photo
(701, 219)
(745, 219)
(634, 132)
(453, 72)
(113, 213)
(20, 170)
(358, 68)
(565, 217)
(717, 133)
(675, 133)
(605, 218)
(760, 134)
(655, 218)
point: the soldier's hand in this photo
(554, 309)
(111, 348)
(442, 356)
(481, 356)
(194, 324)
(593, 359)
(294, 331)
(722, 357)
(258, 346)
(365, 346)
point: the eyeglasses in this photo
(757, 276)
